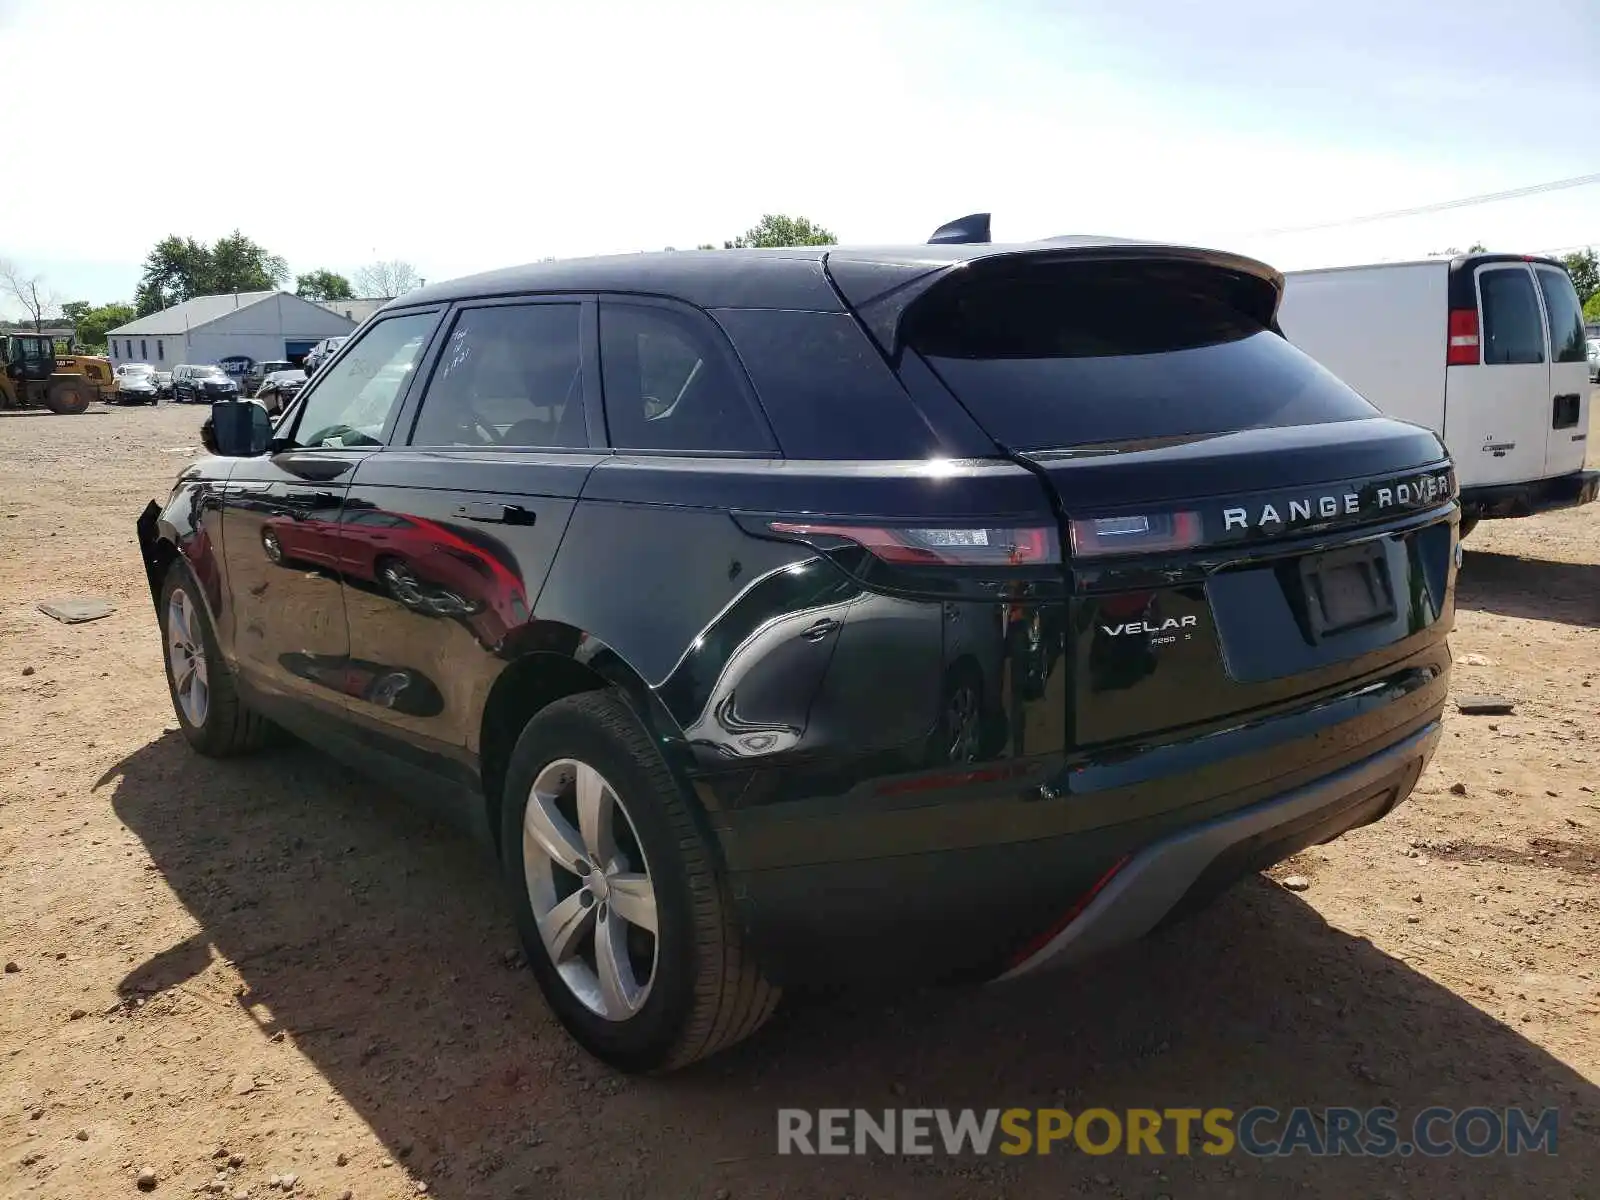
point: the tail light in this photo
(1095, 537)
(1463, 338)
(951, 546)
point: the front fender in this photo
(188, 524)
(154, 552)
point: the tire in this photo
(702, 993)
(959, 735)
(224, 725)
(66, 398)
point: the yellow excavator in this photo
(35, 375)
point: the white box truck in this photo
(1487, 350)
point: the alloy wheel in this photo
(961, 717)
(590, 889)
(403, 584)
(187, 657)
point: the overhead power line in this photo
(1567, 249)
(1440, 206)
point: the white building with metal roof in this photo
(235, 331)
(357, 310)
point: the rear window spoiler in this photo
(881, 290)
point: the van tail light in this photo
(1463, 338)
(952, 546)
(1095, 537)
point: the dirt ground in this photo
(272, 959)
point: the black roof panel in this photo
(796, 278)
(709, 278)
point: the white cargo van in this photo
(1485, 349)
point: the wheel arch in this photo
(173, 530)
(563, 661)
(157, 549)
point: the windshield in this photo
(268, 368)
(211, 372)
(138, 369)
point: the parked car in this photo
(254, 376)
(163, 384)
(202, 383)
(1592, 348)
(136, 387)
(280, 387)
(828, 615)
(321, 352)
(1487, 350)
(135, 368)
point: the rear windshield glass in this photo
(1512, 330)
(1565, 314)
(1090, 354)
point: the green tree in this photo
(180, 269)
(94, 324)
(175, 270)
(323, 285)
(1591, 309)
(775, 229)
(240, 265)
(1584, 267)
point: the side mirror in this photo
(237, 429)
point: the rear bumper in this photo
(976, 881)
(1188, 868)
(1535, 496)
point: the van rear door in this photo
(1567, 412)
(1497, 408)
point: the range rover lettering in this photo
(827, 614)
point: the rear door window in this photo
(508, 375)
(1565, 315)
(1513, 331)
(1092, 354)
(671, 383)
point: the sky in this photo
(472, 134)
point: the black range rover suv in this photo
(825, 613)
